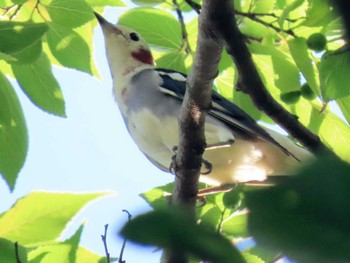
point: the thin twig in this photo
(196, 7)
(120, 260)
(253, 16)
(104, 240)
(247, 14)
(221, 220)
(185, 42)
(18, 7)
(18, 260)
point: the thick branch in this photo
(252, 84)
(192, 117)
(196, 103)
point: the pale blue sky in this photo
(90, 150)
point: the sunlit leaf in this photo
(157, 27)
(68, 13)
(104, 3)
(13, 133)
(276, 65)
(40, 85)
(303, 60)
(42, 216)
(344, 105)
(64, 252)
(69, 48)
(287, 10)
(172, 60)
(334, 132)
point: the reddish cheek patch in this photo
(144, 56)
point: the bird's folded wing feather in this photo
(174, 84)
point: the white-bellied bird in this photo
(150, 98)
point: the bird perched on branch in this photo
(150, 99)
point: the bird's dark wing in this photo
(174, 84)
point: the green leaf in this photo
(303, 60)
(69, 48)
(319, 13)
(64, 252)
(68, 13)
(16, 36)
(344, 105)
(156, 197)
(40, 85)
(8, 252)
(287, 10)
(172, 229)
(104, 3)
(7, 57)
(87, 256)
(29, 54)
(284, 72)
(13, 133)
(42, 216)
(147, 2)
(172, 60)
(334, 76)
(263, 6)
(336, 138)
(236, 225)
(157, 27)
(306, 218)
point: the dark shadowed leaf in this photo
(306, 218)
(13, 133)
(8, 252)
(172, 229)
(16, 36)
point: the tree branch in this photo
(196, 7)
(252, 84)
(192, 117)
(185, 44)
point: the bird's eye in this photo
(134, 36)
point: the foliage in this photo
(36, 221)
(38, 34)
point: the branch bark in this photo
(196, 103)
(251, 83)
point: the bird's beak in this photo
(106, 26)
(101, 19)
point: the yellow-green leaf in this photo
(42, 216)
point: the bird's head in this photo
(126, 50)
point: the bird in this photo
(238, 149)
